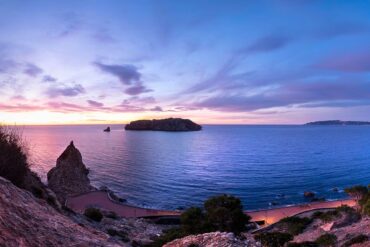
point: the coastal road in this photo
(102, 200)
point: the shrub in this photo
(117, 233)
(193, 221)
(167, 236)
(356, 240)
(366, 208)
(326, 240)
(303, 244)
(273, 239)
(13, 158)
(296, 225)
(327, 216)
(225, 213)
(111, 215)
(94, 214)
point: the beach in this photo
(102, 200)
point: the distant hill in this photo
(338, 122)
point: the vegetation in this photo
(295, 225)
(225, 213)
(326, 240)
(356, 240)
(122, 235)
(273, 239)
(327, 216)
(362, 195)
(13, 158)
(221, 213)
(93, 214)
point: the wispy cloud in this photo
(63, 90)
(32, 70)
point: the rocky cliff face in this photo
(169, 124)
(69, 177)
(219, 239)
(27, 221)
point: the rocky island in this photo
(168, 124)
(338, 122)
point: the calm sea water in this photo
(170, 170)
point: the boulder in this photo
(169, 124)
(309, 194)
(107, 129)
(70, 176)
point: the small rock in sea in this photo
(107, 129)
(335, 189)
(309, 194)
(280, 196)
(273, 203)
(180, 208)
(318, 199)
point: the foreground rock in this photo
(69, 177)
(169, 124)
(219, 239)
(27, 221)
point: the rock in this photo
(309, 194)
(107, 129)
(219, 239)
(169, 124)
(70, 176)
(27, 221)
(335, 189)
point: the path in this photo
(270, 216)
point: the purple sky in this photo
(211, 61)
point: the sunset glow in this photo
(79, 62)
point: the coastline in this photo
(102, 199)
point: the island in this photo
(338, 122)
(168, 124)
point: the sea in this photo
(265, 165)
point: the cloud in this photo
(267, 43)
(332, 30)
(358, 61)
(137, 89)
(32, 70)
(95, 103)
(48, 78)
(68, 91)
(128, 75)
(156, 108)
(7, 65)
(321, 93)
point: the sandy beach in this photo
(269, 216)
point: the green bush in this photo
(13, 158)
(122, 235)
(366, 208)
(295, 225)
(273, 239)
(94, 214)
(356, 240)
(193, 221)
(222, 213)
(327, 216)
(225, 213)
(303, 244)
(326, 240)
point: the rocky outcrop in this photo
(169, 124)
(70, 176)
(28, 221)
(219, 239)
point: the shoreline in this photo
(270, 216)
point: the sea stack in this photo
(168, 124)
(107, 129)
(70, 176)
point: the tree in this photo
(359, 193)
(225, 213)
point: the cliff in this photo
(28, 221)
(338, 122)
(69, 177)
(169, 124)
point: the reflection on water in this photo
(256, 163)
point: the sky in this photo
(215, 62)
